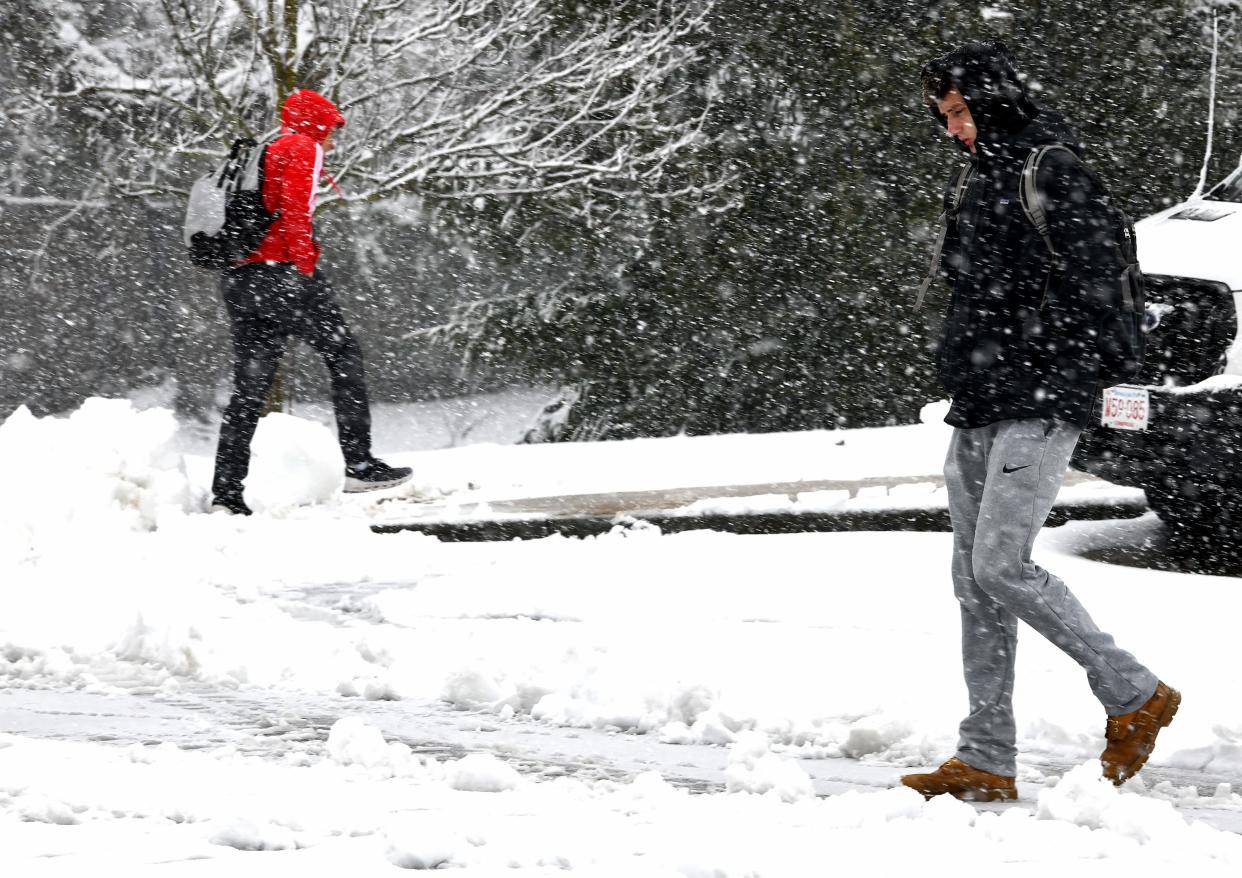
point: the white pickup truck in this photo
(1179, 433)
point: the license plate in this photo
(1126, 408)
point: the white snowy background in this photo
(292, 694)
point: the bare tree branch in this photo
(451, 100)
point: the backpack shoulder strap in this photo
(950, 212)
(959, 189)
(1033, 206)
(1028, 195)
(252, 177)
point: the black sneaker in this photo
(233, 504)
(374, 475)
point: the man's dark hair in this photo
(936, 84)
(984, 73)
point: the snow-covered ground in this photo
(191, 694)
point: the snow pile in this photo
(696, 719)
(756, 504)
(1127, 817)
(1083, 797)
(248, 835)
(423, 841)
(353, 741)
(40, 809)
(294, 462)
(911, 495)
(111, 468)
(874, 734)
(105, 468)
(482, 773)
(754, 768)
(472, 688)
(1222, 756)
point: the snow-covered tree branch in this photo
(455, 100)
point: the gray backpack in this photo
(225, 220)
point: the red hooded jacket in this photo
(291, 173)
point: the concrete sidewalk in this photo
(902, 503)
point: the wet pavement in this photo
(910, 503)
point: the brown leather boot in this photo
(1131, 737)
(957, 779)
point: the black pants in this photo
(267, 303)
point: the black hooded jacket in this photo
(1007, 352)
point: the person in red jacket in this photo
(277, 292)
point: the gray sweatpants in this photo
(1002, 480)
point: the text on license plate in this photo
(1126, 408)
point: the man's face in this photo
(960, 123)
(329, 142)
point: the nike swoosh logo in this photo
(1013, 469)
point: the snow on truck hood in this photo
(1197, 238)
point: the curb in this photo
(541, 526)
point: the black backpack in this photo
(1122, 341)
(225, 220)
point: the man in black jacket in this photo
(1020, 360)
